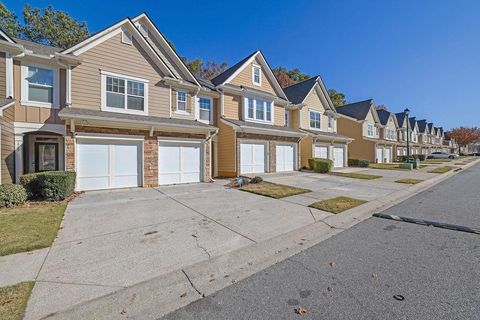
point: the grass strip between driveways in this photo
(386, 166)
(338, 204)
(273, 190)
(30, 226)
(437, 160)
(441, 169)
(409, 181)
(13, 300)
(356, 175)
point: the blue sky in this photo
(420, 54)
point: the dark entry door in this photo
(46, 156)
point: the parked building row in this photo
(122, 110)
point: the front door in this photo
(46, 156)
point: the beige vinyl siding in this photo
(295, 118)
(390, 125)
(114, 56)
(232, 106)
(3, 75)
(226, 150)
(190, 106)
(244, 78)
(358, 148)
(7, 146)
(314, 103)
(306, 145)
(278, 115)
(25, 113)
(369, 119)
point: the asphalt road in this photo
(356, 274)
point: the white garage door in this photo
(285, 157)
(379, 155)
(388, 155)
(338, 157)
(179, 163)
(252, 158)
(321, 152)
(108, 164)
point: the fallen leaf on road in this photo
(300, 310)
(374, 275)
(332, 264)
(330, 289)
(123, 311)
(183, 295)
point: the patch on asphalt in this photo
(422, 222)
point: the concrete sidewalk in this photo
(121, 248)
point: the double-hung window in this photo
(40, 84)
(205, 106)
(370, 130)
(330, 122)
(258, 109)
(124, 94)
(286, 119)
(257, 75)
(315, 120)
(182, 101)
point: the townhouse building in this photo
(389, 136)
(361, 122)
(314, 113)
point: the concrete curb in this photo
(159, 296)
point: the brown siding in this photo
(244, 78)
(3, 75)
(7, 146)
(306, 145)
(226, 151)
(359, 148)
(112, 55)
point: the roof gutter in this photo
(243, 90)
(252, 129)
(180, 82)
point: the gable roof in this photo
(358, 110)
(431, 128)
(297, 93)
(170, 51)
(422, 125)
(233, 71)
(383, 116)
(412, 122)
(400, 118)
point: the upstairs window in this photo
(259, 110)
(330, 122)
(40, 84)
(286, 119)
(182, 101)
(257, 75)
(315, 120)
(124, 94)
(370, 129)
(126, 37)
(205, 106)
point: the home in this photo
(388, 135)
(120, 108)
(253, 136)
(361, 122)
(314, 113)
(450, 143)
(423, 134)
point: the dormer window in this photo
(257, 75)
(315, 120)
(126, 37)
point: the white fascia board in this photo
(4, 35)
(159, 36)
(6, 106)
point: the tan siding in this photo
(306, 150)
(359, 148)
(295, 119)
(313, 102)
(369, 119)
(226, 150)
(114, 56)
(244, 78)
(3, 75)
(190, 106)
(7, 146)
(279, 115)
(232, 105)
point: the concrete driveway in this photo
(114, 239)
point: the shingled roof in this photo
(383, 115)
(357, 110)
(412, 122)
(422, 125)
(227, 73)
(296, 93)
(400, 117)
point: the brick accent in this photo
(150, 149)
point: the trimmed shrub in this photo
(358, 163)
(50, 185)
(12, 195)
(320, 165)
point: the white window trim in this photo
(24, 86)
(104, 107)
(186, 103)
(125, 39)
(9, 87)
(255, 66)
(286, 118)
(211, 109)
(254, 119)
(368, 130)
(309, 126)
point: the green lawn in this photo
(13, 300)
(386, 166)
(273, 190)
(28, 227)
(441, 169)
(337, 205)
(409, 181)
(437, 160)
(357, 175)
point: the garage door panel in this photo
(96, 153)
(179, 163)
(339, 157)
(321, 152)
(284, 158)
(252, 158)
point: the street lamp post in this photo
(407, 111)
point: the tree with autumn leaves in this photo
(465, 136)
